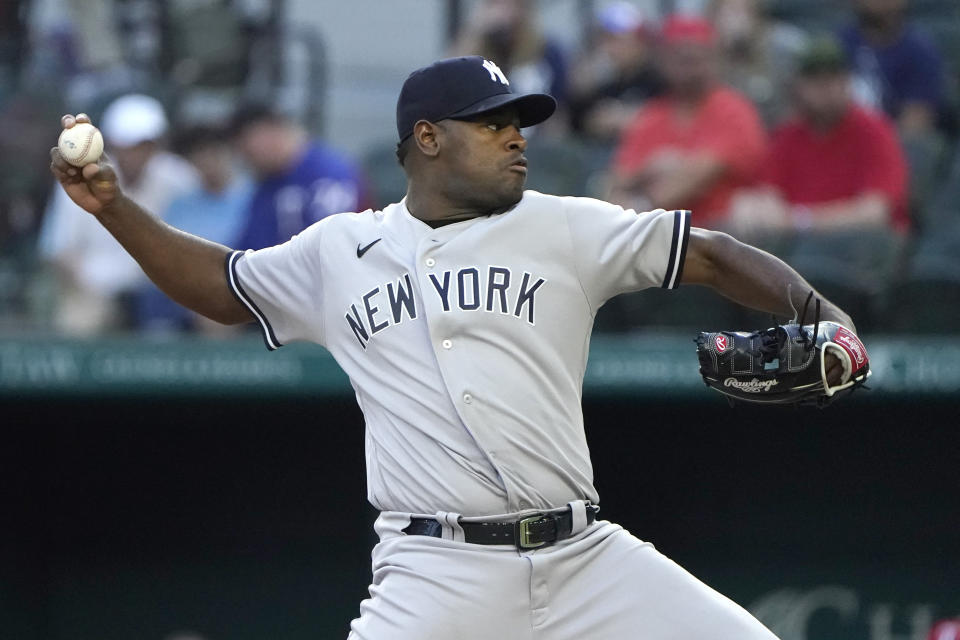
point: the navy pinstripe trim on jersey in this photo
(269, 337)
(678, 249)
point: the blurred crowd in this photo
(824, 132)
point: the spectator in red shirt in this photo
(836, 166)
(694, 146)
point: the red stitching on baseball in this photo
(86, 146)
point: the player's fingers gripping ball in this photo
(784, 364)
(81, 144)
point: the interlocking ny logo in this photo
(495, 73)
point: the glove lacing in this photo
(810, 342)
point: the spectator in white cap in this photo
(95, 277)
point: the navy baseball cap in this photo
(459, 88)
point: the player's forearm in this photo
(188, 269)
(751, 277)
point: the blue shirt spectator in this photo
(216, 210)
(299, 181)
(216, 216)
(897, 67)
(322, 182)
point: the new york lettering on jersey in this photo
(492, 289)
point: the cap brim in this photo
(533, 108)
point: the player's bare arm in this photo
(750, 276)
(188, 269)
(755, 279)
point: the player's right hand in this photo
(92, 187)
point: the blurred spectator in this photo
(506, 32)
(300, 181)
(78, 46)
(758, 54)
(615, 76)
(95, 273)
(13, 44)
(836, 166)
(945, 630)
(24, 162)
(216, 210)
(897, 68)
(692, 147)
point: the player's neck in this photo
(435, 210)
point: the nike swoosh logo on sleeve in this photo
(361, 251)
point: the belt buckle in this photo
(523, 532)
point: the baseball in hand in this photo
(81, 144)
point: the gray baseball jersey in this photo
(466, 344)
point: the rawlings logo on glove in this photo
(784, 364)
(754, 386)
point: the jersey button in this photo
(467, 398)
(446, 344)
(430, 262)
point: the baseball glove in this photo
(783, 364)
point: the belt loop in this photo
(451, 526)
(578, 513)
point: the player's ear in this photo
(425, 136)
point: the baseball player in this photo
(462, 315)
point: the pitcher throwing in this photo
(462, 315)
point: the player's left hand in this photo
(783, 364)
(832, 364)
(91, 187)
(834, 369)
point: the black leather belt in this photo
(539, 530)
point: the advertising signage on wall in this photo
(664, 366)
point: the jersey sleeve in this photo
(282, 286)
(617, 250)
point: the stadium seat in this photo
(942, 213)
(688, 308)
(852, 269)
(385, 177)
(941, 19)
(927, 299)
(212, 37)
(810, 15)
(925, 160)
(932, 7)
(945, 30)
(556, 167)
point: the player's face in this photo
(483, 163)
